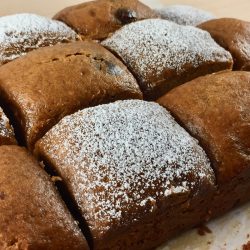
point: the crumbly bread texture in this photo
(233, 35)
(47, 84)
(185, 14)
(32, 215)
(130, 167)
(215, 110)
(22, 33)
(7, 136)
(97, 19)
(162, 54)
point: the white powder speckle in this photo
(22, 33)
(185, 14)
(5, 129)
(152, 47)
(120, 159)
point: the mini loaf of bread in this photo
(97, 19)
(137, 177)
(32, 214)
(215, 109)
(185, 14)
(47, 84)
(234, 36)
(162, 54)
(7, 136)
(22, 33)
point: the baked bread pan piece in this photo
(97, 19)
(215, 110)
(163, 55)
(233, 35)
(32, 214)
(47, 84)
(137, 177)
(24, 32)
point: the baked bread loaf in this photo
(126, 174)
(234, 36)
(7, 136)
(97, 19)
(32, 214)
(185, 14)
(130, 168)
(215, 110)
(162, 54)
(47, 84)
(22, 33)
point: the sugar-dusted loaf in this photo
(97, 19)
(162, 54)
(22, 33)
(185, 14)
(32, 214)
(137, 177)
(234, 35)
(47, 84)
(215, 110)
(7, 135)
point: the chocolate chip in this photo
(126, 16)
(2, 195)
(92, 13)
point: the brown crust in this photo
(33, 215)
(234, 36)
(97, 19)
(47, 84)
(215, 109)
(128, 225)
(22, 33)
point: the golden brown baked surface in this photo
(233, 35)
(47, 84)
(22, 33)
(7, 136)
(163, 55)
(97, 19)
(32, 215)
(215, 109)
(127, 164)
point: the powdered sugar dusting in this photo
(22, 33)
(185, 14)
(153, 46)
(122, 158)
(5, 128)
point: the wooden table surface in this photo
(229, 8)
